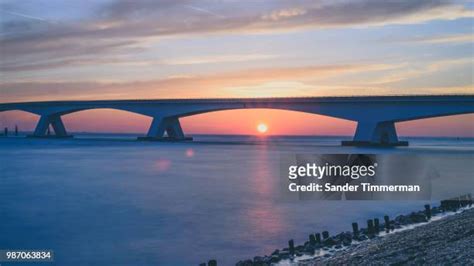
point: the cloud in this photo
(284, 14)
(228, 58)
(119, 26)
(25, 16)
(410, 71)
(203, 10)
(212, 85)
(128, 61)
(319, 80)
(443, 39)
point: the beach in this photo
(447, 241)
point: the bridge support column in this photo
(373, 133)
(56, 122)
(165, 125)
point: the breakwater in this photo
(323, 245)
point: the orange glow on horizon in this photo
(240, 122)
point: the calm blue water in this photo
(116, 201)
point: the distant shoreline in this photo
(269, 136)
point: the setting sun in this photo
(262, 128)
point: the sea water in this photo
(111, 200)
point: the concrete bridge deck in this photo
(375, 115)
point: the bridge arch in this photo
(17, 121)
(461, 125)
(102, 120)
(279, 122)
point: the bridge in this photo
(375, 115)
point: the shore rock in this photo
(447, 241)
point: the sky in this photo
(80, 50)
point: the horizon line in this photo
(256, 135)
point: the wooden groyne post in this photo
(318, 238)
(370, 227)
(355, 230)
(377, 225)
(387, 222)
(428, 211)
(325, 235)
(291, 247)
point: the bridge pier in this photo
(375, 133)
(165, 125)
(43, 124)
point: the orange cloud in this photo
(227, 84)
